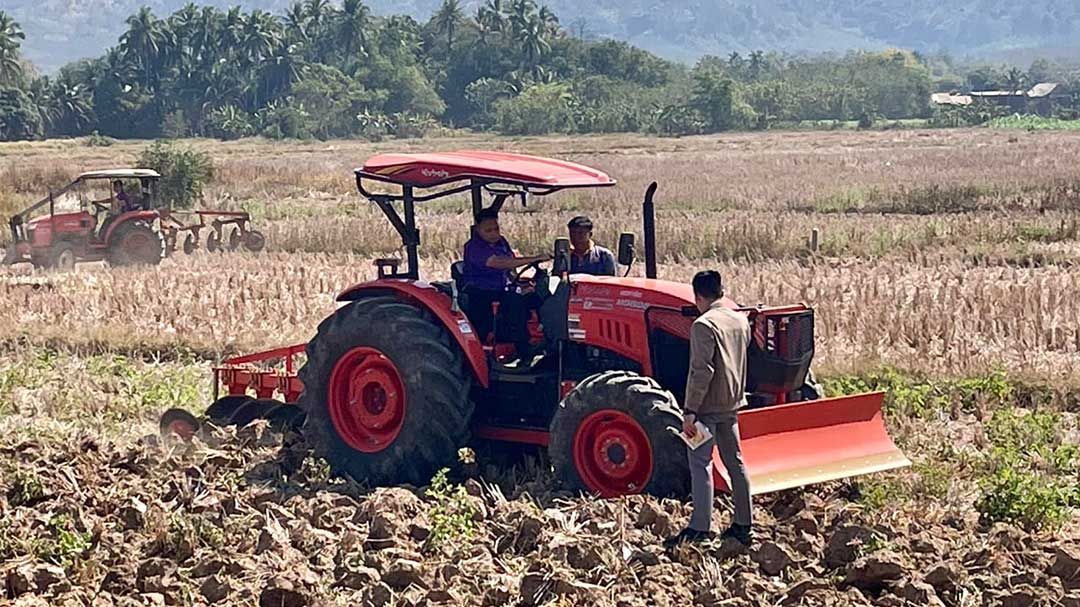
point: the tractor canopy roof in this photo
(120, 174)
(544, 175)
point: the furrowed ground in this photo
(946, 273)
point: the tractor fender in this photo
(126, 217)
(438, 303)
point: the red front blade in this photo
(808, 442)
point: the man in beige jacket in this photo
(715, 391)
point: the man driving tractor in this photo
(486, 276)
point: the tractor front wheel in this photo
(135, 242)
(613, 435)
(62, 256)
(386, 393)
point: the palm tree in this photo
(757, 64)
(143, 42)
(352, 29)
(550, 19)
(446, 19)
(1015, 80)
(318, 11)
(232, 30)
(520, 12)
(281, 69)
(206, 35)
(10, 35)
(257, 36)
(296, 22)
(533, 42)
(69, 107)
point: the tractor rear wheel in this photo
(135, 242)
(386, 393)
(612, 435)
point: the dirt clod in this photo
(872, 572)
(773, 558)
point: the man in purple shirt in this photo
(486, 276)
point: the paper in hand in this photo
(699, 439)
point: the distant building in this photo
(1040, 99)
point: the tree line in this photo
(325, 70)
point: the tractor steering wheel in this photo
(516, 278)
(101, 206)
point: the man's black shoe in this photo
(688, 535)
(742, 533)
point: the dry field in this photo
(949, 265)
(951, 252)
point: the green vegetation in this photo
(1029, 471)
(1033, 123)
(183, 172)
(452, 513)
(320, 71)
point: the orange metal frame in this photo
(240, 374)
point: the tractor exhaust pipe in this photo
(649, 213)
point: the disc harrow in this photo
(184, 228)
(256, 386)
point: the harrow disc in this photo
(213, 242)
(222, 409)
(179, 423)
(285, 417)
(254, 241)
(189, 244)
(236, 238)
(255, 409)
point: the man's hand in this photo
(688, 426)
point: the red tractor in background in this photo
(397, 380)
(79, 228)
(140, 231)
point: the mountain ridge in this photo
(59, 31)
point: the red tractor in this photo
(115, 215)
(80, 228)
(397, 380)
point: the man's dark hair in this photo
(708, 284)
(488, 213)
(580, 221)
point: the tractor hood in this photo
(633, 293)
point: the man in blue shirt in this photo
(486, 276)
(587, 257)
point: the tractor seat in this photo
(457, 271)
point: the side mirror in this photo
(690, 311)
(561, 257)
(626, 249)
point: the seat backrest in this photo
(553, 314)
(457, 272)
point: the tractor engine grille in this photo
(781, 348)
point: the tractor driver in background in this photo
(119, 202)
(486, 276)
(127, 202)
(587, 257)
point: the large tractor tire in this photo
(135, 242)
(386, 393)
(613, 435)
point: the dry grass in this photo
(945, 251)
